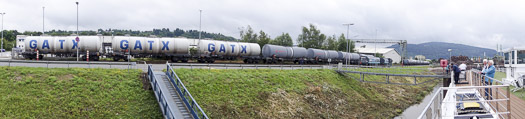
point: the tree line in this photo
(311, 37)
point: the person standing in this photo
(457, 71)
(463, 66)
(484, 65)
(447, 68)
(489, 75)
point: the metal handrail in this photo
(70, 62)
(432, 103)
(388, 74)
(166, 110)
(184, 93)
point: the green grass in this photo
(266, 93)
(74, 93)
(519, 93)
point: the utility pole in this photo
(200, 24)
(375, 45)
(2, 46)
(77, 39)
(347, 40)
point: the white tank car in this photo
(62, 44)
(230, 49)
(145, 45)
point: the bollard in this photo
(36, 55)
(87, 55)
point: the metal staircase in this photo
(174, 99)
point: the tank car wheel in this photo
(249, 61)
(40, 57)
(212, 60)
(174, 59)
(245, 61)
(201, 61)
(84, 58)
(256, 61)
(185, 60)
(116, 58)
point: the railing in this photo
(185, 95)
(498, 100)
(47, 63)
(161, 97)
(417, 78)
(249, 66)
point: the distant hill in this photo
(436, 50)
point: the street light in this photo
(450, 54)
(43, 24)
(2, 46)
(78, 46)
(200, 24)
(347, 40)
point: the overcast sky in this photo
(482, 23)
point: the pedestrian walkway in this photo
(517, 105)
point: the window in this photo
(512, 61)
(521, 57)
(507, 58)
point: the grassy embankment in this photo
(519, 93)
(316, 94)
(74, 93)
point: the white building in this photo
(386, 52)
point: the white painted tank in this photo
(225, 48)
(144, 45)
(62, 44)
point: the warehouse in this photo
(386, 52)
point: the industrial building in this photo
(386, 52)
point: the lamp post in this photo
(347, 40)
(2, 46)
(78, 46)
(450, 54)
(43, 24)
(200, 23)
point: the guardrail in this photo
(185, 95)
(249, 66)
(9, 62)
(362, 77)
(498, 100)
(161, 98)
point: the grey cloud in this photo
(479, 23)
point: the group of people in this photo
(457, 70)
(488, 70)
